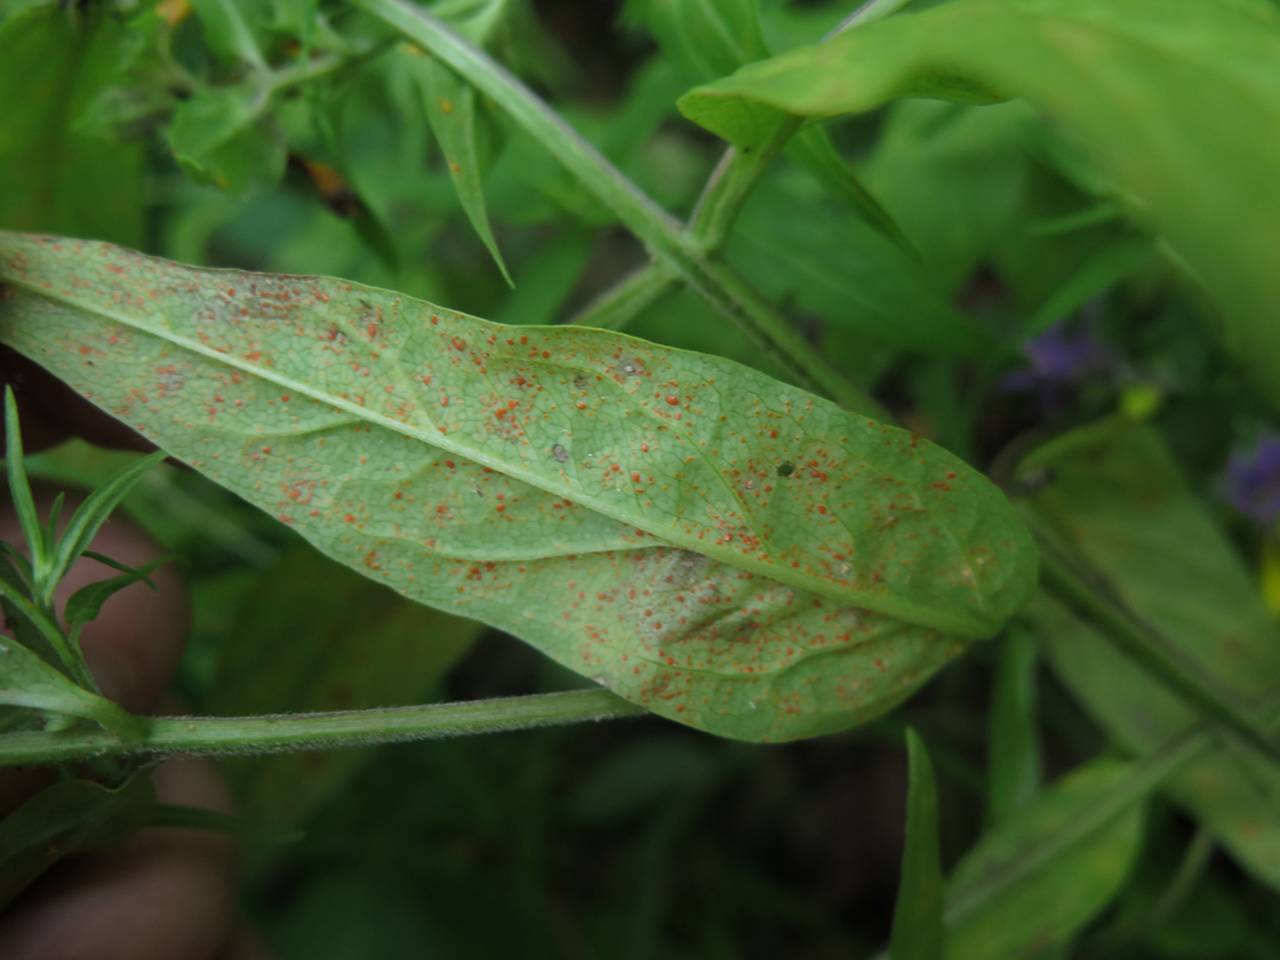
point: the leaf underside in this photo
(724, 549)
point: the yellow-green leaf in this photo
(725, 549)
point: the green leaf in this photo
(24, 505)
(28, 681)
(226, 32)
(1188, 82)
(797, 245)
(1060, 893)
(954, 177)
(1013, 752)
(813, 150)
(351, 645)
(219, 137)
(917, 915)
(704, 39)
(722, 548)
(93, 511)
(1120, 500)
(54, 63)
(62, 819)
(451, 110)
(86, 603)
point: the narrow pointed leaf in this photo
(86, 603)
(24, 505)
(1132, 80)
(1065, 875)
(94, 511)
(917, 915)
(27, 681)
(1013, 748)
(1118, 497)
(451, 111)
(812, 149)
(725, 549)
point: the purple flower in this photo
(1058, 358)
(1253, 481)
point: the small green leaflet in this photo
(724, 549)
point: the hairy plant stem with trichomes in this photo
(315, 731)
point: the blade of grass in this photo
(24, 504)
(917, 915)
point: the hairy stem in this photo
(313, 731)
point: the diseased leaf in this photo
(1064, 892)
(54, 174)
(1168, 95)
(314, 636)
(917, 914)
(1118, 497)
(724, 549)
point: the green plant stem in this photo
(313, 731)
(660, 233)
(732, 181)
(1146, 648)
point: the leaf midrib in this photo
(887, 605)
